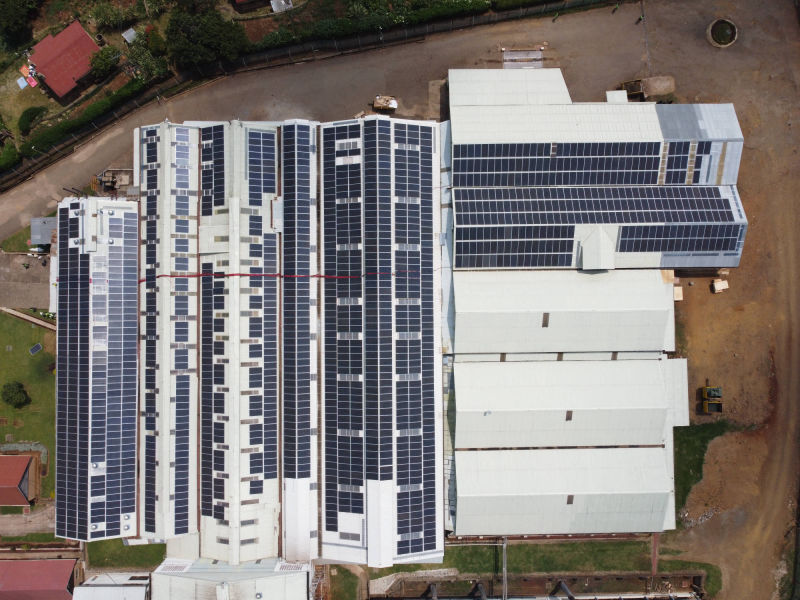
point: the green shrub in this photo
(108, 16)
(14, 394)
(8, 156)
(198, 39)
(28, 116)
(104, 61)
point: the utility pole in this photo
(505, 574)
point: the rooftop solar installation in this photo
(380, 387)
(96, 387)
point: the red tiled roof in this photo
(12, 469)
(36, 579)
(64, 59)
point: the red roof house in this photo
(14, 480)
(64, 59)
(37, 579)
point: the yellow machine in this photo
(712, 400)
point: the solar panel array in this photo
(72, 381)
(297, 154)
(150, 208)
(212, 174)
(96, 409)
(379, 324)
(518, 205)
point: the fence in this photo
(279, 56)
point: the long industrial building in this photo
(256, 345)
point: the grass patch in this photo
(31, 537)
(113, 553)
(539, 558)
(11, 510)
(35, 422)
(344, 585)
(691, 444)
(713, 574)
(17, 242)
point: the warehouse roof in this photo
(561, 491)
(498, 87)
(554, 311)
(559, 123)
(569, 403)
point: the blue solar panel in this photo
(297, 156)
(212, 173)
(260, 165)
(97, 409)
(269, 407)
(208, 293)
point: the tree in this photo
(14, 394)
(104, 61)
(198, 39)
(147, 66)
(15, 28)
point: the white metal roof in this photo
(561, 123)
(493, 87)
(504, 311)
(565, 403)
(527, 491)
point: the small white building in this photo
(119, 586)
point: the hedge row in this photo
(28, 116)
(8, 155)
(326, 29)
(47, 137)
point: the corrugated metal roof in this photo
(498, 87)
(12, 470)
(36, 579)
(565, 403)
(699, 121)
(504, 311)
(561, 123)
(528, 492)
(42, 230)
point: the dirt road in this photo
(40, 520)
(746, 339)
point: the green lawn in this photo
(541, 558)
(11, 510)
(691, 444)
(344, 585)
(37, 421)
(113, 553)
(713, 574)
(17, 242)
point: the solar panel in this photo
(535, 227)
(207, 294)
(97, 407)
(296, 186)
(261, 165)
(269, 406)
(212, 168)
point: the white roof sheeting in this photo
(496, 87)
(504, 311)
(559, 123)
(525, 404)
(526, 492)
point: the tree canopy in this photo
(104, 61)
(14, 394)
(15, 28)
(198, 39)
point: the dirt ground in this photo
(21, 287)
(745, 339)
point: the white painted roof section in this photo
(525, 492)
(205, 580)
(548, 123)
(504, 311)
(498, 87)
(525, 404)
